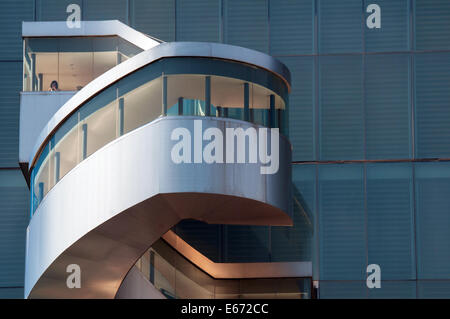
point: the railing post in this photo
(84, 141)
(180, 106)
(164, 97)
(272, 111)
(121, 115)
(57, 166)
(246, 102)
(208, 96)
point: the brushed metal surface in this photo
(108, 210)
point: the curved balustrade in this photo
(168, 87)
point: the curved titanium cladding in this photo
(107, 211)
(175, 86)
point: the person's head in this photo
(54, 85)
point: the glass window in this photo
(341, 112)
(342, 226)
(388, 106)
(71, 62)
(340, 26)
(246, 244)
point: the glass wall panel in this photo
(154, 17)
(291, 27)
(432, 96)
(98, 122)
(433, 220)
(341, 112)
(246, 23)
(340, 26)
(343, 290)
(394, 34)
(433, 289)
(296, 243)
(432, 24)
(198, 20)
(342, 222)
(246, 244)
(71, 62)
(391, 219)
(394, 290)
(176, 277)
(388, 106)
(302, 105)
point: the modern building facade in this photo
(359, 91)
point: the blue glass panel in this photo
(12, 13)
(393, 35)
(198, 20)
(340, 26)
(10, 85)
(54, 10)
(291, 27)
(154, 17)
(394, 290)
(246, 23)
(432, 72)
(432, 24)
(295, 243)
(14, 205)
(105, 10)
(341, 108)
(205, 238)
(433, 220)
(301, 107)
(388, 107)
(391, 220)
(246, 244)
(433, 289)
(342, 290)
(342, 226)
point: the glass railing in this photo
(203, 87)
(176, 277)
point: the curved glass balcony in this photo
(168, 87)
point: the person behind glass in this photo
(53, 86)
